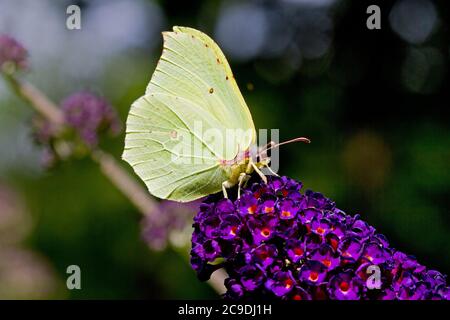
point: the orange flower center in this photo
(286, 213)
(268, 209)
(320, 230)
(265, 232)
(252, 209)
(326, 262)
(313, 276)
(344, 286)
(288, 283)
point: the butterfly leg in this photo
(271, 171)
(225, 185)
(243, 177)
(266, 166)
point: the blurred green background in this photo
(373, 102)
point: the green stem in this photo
(37, 100)
(122, 180)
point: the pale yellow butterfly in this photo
(191, 133)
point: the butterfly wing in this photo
(158, 145)
(192, 91)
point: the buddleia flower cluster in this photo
(90, 115)
(86, 117)
(278, 243)
(13, 56)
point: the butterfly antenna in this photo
(273, 146)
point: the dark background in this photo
(373, 102)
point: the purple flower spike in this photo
(86, 117)
(13, 56)
(89, 115)
(278, 243)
